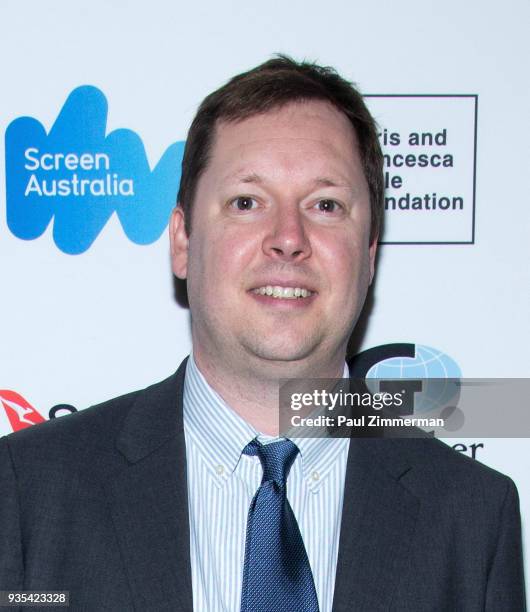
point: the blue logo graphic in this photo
(424, 362)
(79, 176)
(430, 378)
(438, 376)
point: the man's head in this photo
(269, 86)
(281, 190)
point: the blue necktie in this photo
(276, 576)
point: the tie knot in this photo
(276, 458)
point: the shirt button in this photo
(220, 469)
(315, 475)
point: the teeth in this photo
(283, 293)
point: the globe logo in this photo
(438, 374)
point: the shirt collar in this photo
(220, 434)
(320, 454)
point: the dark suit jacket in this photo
(96, 504)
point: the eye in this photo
(243, 203)
(328, 206)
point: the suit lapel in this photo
(378, 520)
(148, 499)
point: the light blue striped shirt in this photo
(222, 483)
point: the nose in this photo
(287, 239)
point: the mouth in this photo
(284, 293)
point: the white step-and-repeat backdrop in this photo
(96, 101)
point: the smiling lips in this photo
(283, 293)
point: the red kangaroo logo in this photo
(20, 413)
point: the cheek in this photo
(347, 266)
(218, 256)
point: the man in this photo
(180, 496)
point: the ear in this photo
(178, 239)
(372, 250)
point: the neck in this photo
(252, 388)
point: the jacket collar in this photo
(148, 500)
(155, 417)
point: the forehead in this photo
(312, 132)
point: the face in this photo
(283, 208)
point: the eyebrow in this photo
(250, 178)
(257, 179)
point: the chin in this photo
(282, 351)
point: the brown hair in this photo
(272, 84)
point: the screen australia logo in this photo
(78, 175)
